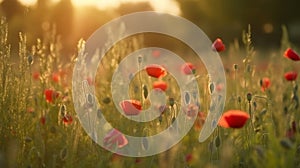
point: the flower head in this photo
(67, 119)
(290, 133)
(218, 45)
(131, 107)
(90, 80)
(200, 120)
(43, 120)
(55, 77)
(188, 68)
(291, 76)
(160, 85)
(36, 76)
(51, 95)
(234, 119)
(156, 71)
(189, 158)
(291, 54)
(115, 137)
(191, 110)
(156, 53)
(265, 83)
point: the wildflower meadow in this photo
(259, 126)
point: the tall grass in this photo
(33, 133)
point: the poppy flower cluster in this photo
(292, 55)
(131, 107)
(114, 137)
(234, 119)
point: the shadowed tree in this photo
(228, 18)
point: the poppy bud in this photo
(249, 97)
(30, 59)
(171, 102)
(218, 141)
(235, 66)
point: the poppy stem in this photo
(251, 115)
(141, 85)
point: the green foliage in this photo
(33, 133)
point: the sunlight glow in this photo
(168, 6)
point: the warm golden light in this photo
(168, 6)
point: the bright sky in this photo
(168, 6)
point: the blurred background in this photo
(76, 19)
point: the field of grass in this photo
(39, 127)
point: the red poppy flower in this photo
(191, 110)
(234, 119)
(90, 81)
(219, 87)
(30, 109)
(115, 157)
(188, 68)
(200, 120)
(131, 107)
(36, 75)
(156, 71)
(290, 133)
(43, 120)
(138, 160)
(265, 83)
(55, 77)
(115, 137)
(160, 85)
(291, 76)
(218, 45)
(67, 119)
(50, 95)
(189, 158)
(291, 54)
(156, 53)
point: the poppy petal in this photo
(188, 68)
(218, 45)
(234, 119)
(291, 54)
(131, 107)
(115, 137)
(160, 85)
(155, 71)
(291, 76)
